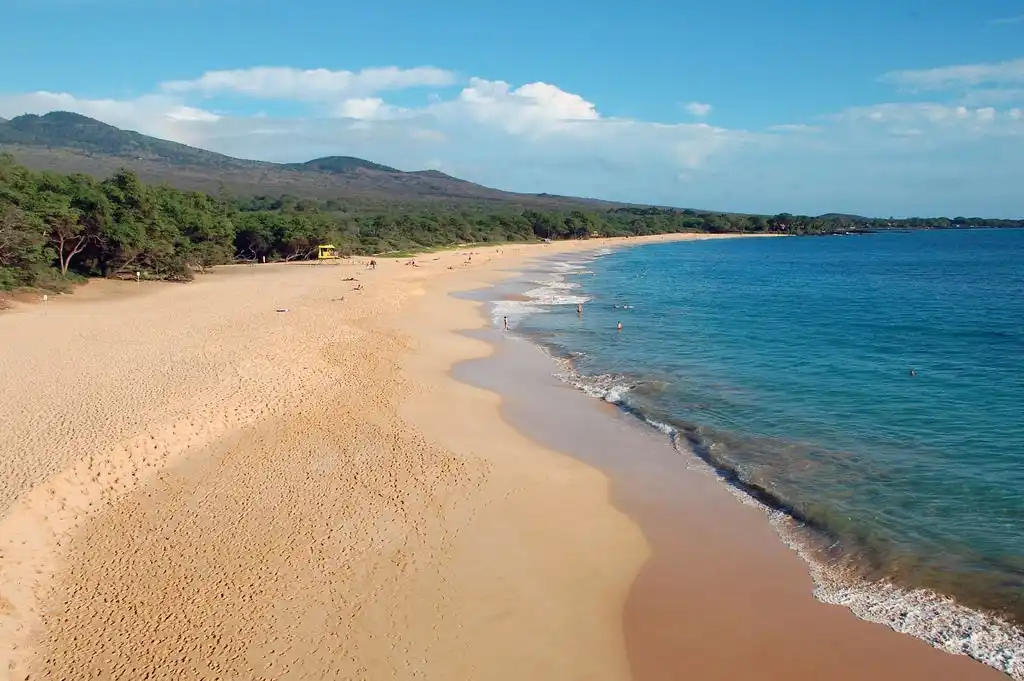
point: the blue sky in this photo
(880, 108)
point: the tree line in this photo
(54, 227)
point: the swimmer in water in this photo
(579, 308)
(619, 327)
(913, 372)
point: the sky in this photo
(874, 107)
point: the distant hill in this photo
(339, 165)
(843, 216)
(71, 143)
(64, 130)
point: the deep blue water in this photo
(787, 363)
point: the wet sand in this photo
(720, 596)
(196, 485)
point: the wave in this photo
(553, 290)
(839, 577)
(850, 566)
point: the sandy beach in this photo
(269, 474)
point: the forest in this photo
(56, 229)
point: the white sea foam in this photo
(611, 388)
(514, 310)
(925, 614)
(551, 289)
(558, 285)
(930, 616)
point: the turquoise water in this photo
(786, 363)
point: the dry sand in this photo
(196, 486)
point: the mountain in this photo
(71, 143)
(339, 164)
(64, 130)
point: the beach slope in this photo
(267, 474)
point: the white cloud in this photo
(1002, 21)
(962, 76)
(793, 127)
(537, 137)
(989, 96)
(486, 125)
(190, 113)
(533, 108)
(901, 112)
(156, 115)
(366, 108)
(699, 108)
(985, 114)
(272, 82)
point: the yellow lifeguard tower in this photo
(327, 252)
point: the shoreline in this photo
(197, 483)
(857, 600)
(168, 485)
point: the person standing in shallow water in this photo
(506, 323)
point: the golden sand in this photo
(267, 474)
(194, 484)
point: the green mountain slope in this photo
(64, 130)
(71, 143)
(339, 164)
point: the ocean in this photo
(866, 391)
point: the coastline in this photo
(720, 595)
(198, 484)
(657, 490)
(216, 478)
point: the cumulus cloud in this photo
(699, 108)
(915, 111)
(925, 126)
(275, 82)
(366, 108)
(530, 137)
(532, 108)
(537, 137)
